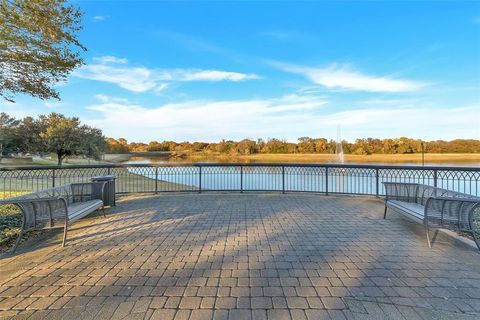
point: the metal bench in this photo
(435, 207)
(58, 207)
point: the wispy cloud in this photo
(289, 117)
(53, 105)
(340, 76)
(289, 35)
(141, 79)
(110, 59)
(189, 41)
(99, 18)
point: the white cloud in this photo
(53, 104)
(99, 18)
(337, 76)
(212, 75)
(132, 79)
(110, 59)
(289, 117)
(140, 79)
(206, 120)
(421, 121)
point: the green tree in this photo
(306, 145)
(9, 139)
(65, 137)
(117, 146)
(246, 146)
(38, 46)
(29, 134)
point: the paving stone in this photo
(163, 314)
(333, 303)
(190, 303)
(297, 303)
(226, 303)
(279, 314)
(261, 303)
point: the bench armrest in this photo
(39, 213)
(455, 213)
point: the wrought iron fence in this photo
(202, 177)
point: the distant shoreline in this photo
(311, 158)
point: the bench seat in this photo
(415, 210)
(79, 210)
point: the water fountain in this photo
(339, 147)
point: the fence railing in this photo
(240, 177)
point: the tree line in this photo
(366, 146)
(64, 136)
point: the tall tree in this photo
(9, 139)
(65, 137)
(38, 46)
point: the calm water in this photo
(305, 179)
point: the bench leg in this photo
(103, 210)
(65, 233)
(475, 238)
(17, 241)
(385, 213)
(427, 234)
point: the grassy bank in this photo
(437, 158)
(10, 223)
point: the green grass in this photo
(44, 162)
(10, 223)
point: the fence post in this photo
(435, 182)
(156, 180)
(108, 171)
(377, 183)
(326, 181)
(199, 179)
(283, 179)
(53, 178)
(241, 179)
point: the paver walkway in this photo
(243, 256)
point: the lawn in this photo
(10, 223)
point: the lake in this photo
(311, 179)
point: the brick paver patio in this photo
(242, 256)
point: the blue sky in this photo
(211, 70)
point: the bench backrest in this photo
(64, 191)
(419, 193)
(45, 207)
(424, 192)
